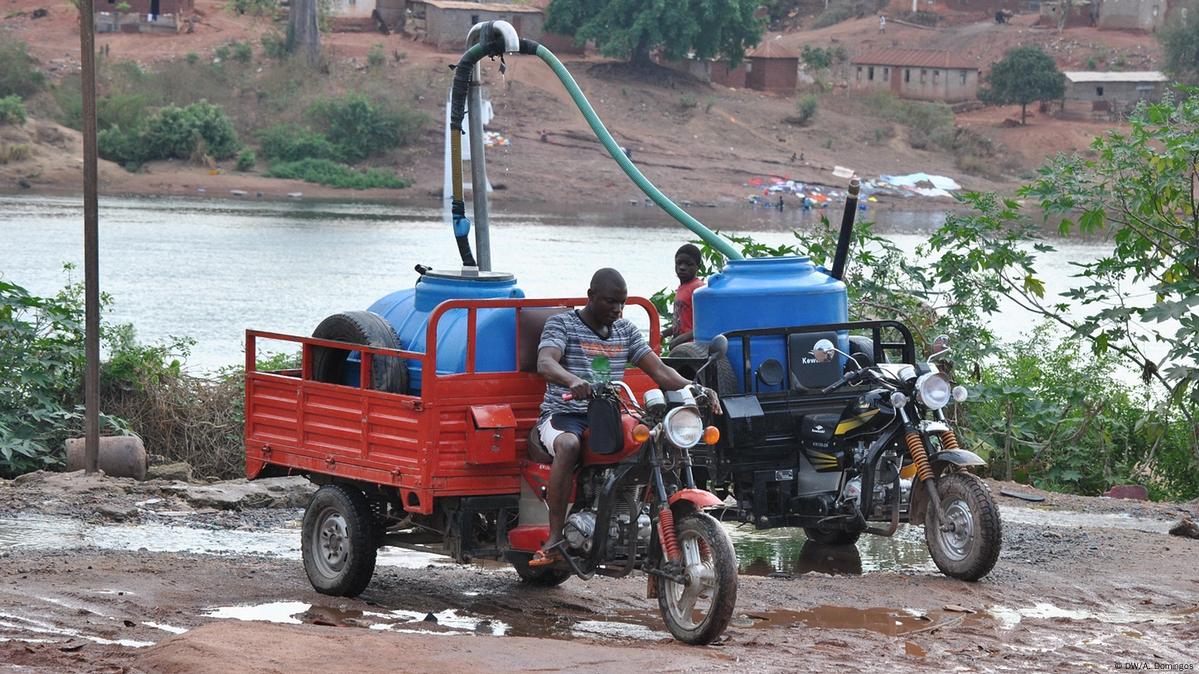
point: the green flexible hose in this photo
(712, 238)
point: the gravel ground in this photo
(1076, 585)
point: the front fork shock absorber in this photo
(670, 540)
(919, 455)
(949, 440)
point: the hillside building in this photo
(1146, 15)
(920, 74)
(1117, 89)
(772, 67)
(445, 23)
(142, 16)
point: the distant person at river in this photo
(686, 266)
(578, 348)
(882, 23)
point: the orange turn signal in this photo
(640, 433)
(711, 435)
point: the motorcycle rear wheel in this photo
(699, 612)
(970, 549)
(538, 577)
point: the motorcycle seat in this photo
(538, 453)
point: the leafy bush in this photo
(125, 110)
(288, 142)
(325, 172)
(242, 52)
(246, 159)
(818, 58)
(175, 132)
(41, 372)
(805, 109)
(171, 133)
(126, 148)
(687, 102)
(929, 124)
(274, 45)
(361, 128)
(1050, 414)
(221, 53)
(19, 73)
(12, 110)
(375, 57)
(192, 58)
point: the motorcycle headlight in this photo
(933, 390)
(684, 427)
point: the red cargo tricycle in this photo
(448, 469)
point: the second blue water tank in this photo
(408, 312)
(773, 292)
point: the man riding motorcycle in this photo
(576, 349)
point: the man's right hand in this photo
(580, 390)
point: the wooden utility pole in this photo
(91, 239)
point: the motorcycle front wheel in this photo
(965, 543)
(698, 611)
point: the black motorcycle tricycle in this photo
(842, 443)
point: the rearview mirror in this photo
(823, 351)
(941, 343)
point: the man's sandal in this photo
(546, 558)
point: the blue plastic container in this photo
(495, 332)
(772, 292)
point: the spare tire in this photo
(388, 373)
(726, 381)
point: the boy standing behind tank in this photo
(686, 266)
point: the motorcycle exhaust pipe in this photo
(847, 218)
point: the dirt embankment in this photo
(1078, 585)
(699, 143)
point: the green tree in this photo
(1180, 42)
(1023, 75)
(633, 28)
(1137, 193)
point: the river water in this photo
(208, 269)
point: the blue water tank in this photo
(495, 332)
(769, 292)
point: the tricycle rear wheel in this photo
(338, 541)
(539, 577)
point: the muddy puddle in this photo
(787, 552)
(770, 552)
(448, 621)
(886, 621)
(50, 533)
(1075, 520)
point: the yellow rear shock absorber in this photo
(919, 455)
